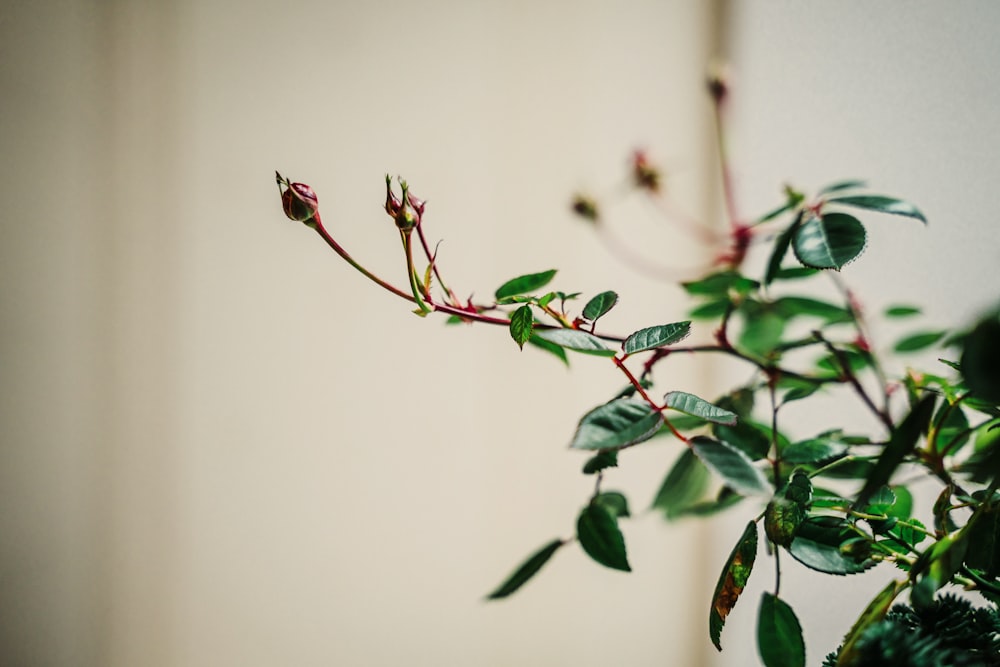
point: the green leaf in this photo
(683, 486)
(576, 340)
(526, 570)
(600, 461)
(598, 533)
(692, 405)
(732, 581)
(984, 541)
(851, 184)
(830, 241)
(599, 305)
(791, 306)
(653, 337)
(873, 613)
(710, 310)
(936, 567)
(980, 360)
(881, 204)
(779, 635)
(732, 465)
(819, 545)
(720, 285)
(795, 273)
(762, 328)
(521, 325)
(619, 423)
(787, 510)
(524, 284)
(918, 341)
(749, 437)
(903, 441)
(780, 250)
(902, 311)
(952, 428)
(551, 348)
(615, 502)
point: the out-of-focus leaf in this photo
(984, 540)
(710, 310)
(903, 441)
(830, 241)
(952, 427)
(850, 184)
(936, 567)
(616, 424)
(762, 329)
(873, 613)
(601, 461)
(653, 337)
(721, 284)
(817, 450)
(749, 437)
(576, 340)
(684, 485)
(819, 545)
(918, 341)
(599, 305)
(882, 204)
(551, 348)
(615, 502)
(599, 535)
(699, 407)
(732, 581)
(779, 635)
(524, 284)
(980, 360)
(791, 306)
(780, 250)
(526, 570)
(732, 465)
(901, 310)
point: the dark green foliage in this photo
(526, 570)
(950, 632)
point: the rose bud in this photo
(645, 175)
(300, 202)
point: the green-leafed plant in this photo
(834, 499)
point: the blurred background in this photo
(221, 446)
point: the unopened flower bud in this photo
(298, 200)
(718, 82)
(407, 210)
(586, 208)
(645, 175)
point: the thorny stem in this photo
(864, 335)
(852, 379)
(620, 363)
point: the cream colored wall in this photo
(223, 447)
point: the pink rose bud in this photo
(300, 202)
(645, 175)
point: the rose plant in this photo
(838, 500)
